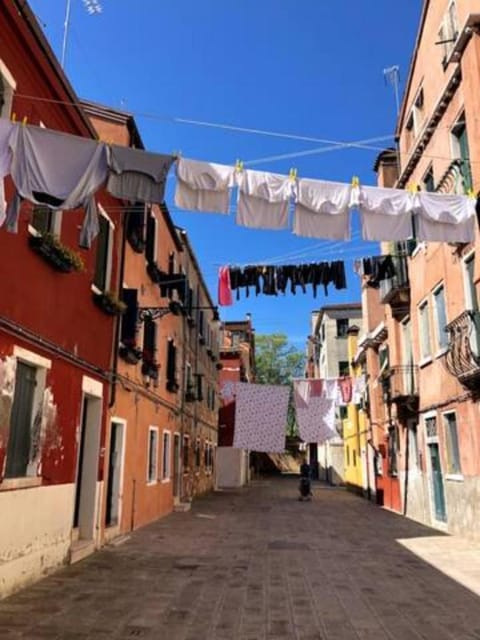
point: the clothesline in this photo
(320, 209)
(257, 131)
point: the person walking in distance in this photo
(305, 481)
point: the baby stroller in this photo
(305, 489)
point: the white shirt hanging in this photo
(386, 214)
(203, 186)
(263, 200)
(322, 210)
(444, 218)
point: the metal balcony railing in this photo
(463, 356)
(403, 381)
(396, 290)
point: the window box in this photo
(150, 369)
(61, 257)
(108, 302)
(130, 353)
(172, 386)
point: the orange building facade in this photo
(421, 345)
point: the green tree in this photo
(278, 362)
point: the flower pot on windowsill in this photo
(58, 255)
(109, 303)
(130, 353)
(150, 369)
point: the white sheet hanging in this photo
(316, 421)
(443, 217)
(203, 186)
(385, 214)
(322, 210)
(263, 200)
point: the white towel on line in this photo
(263, 200)
(322, 210)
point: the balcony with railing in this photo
(463, 355)
(395, 291)
(403, 382)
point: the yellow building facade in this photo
(355, 428)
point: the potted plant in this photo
(130, 352)
(109, 303)
(61, 257)
(150, 369)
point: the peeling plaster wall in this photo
(35, 538)
(8, 367)
(418, 507)
(463, 506)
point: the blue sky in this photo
(313, 68)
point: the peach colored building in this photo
(421, 344)
(199, 352)
(237, 358)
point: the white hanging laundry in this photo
(57, 170)
(322, 209)
(203, 186)
(359, 386)
(261, 417)
(386, 214)
(444, 217)
(331, 390)
(316, 422)
(301, 392)
(263, 200)
(6, 127)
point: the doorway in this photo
(437, 482)
(177, 452)
(115, 472)
(87, 467)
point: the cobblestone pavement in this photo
(256, 564)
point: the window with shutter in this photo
(172, 384)
(43, 219)
(149, 340)
(136, 227)
(129, 318)
(199, 387)
(102, 276)
(19, 438)
(151, 240)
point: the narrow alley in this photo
(253, 564)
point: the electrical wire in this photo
(256, 131)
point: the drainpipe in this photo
(113, 387)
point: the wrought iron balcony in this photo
(403, 382)
(395, 291)
(463, 356)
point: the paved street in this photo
(257, 564)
